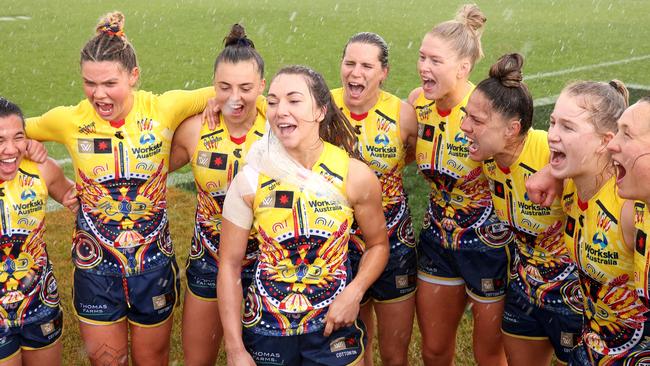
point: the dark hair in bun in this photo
(237, 48)
(507, 92)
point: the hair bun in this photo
(622, 89)
(472, 17)
(508, 70)
(111, 24)
(237, 37)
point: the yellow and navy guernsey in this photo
(460, 202)
(303, 261)
(641, 253)
(216, 160)
(381, 146)
(29, 293)
(121, 178)
(614, 318)
(543, 270)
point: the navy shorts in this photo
(399, 278)
(147, 299)
(345, 346)
(201, 277)
(484, 272)
(33, 336)
(524, 320)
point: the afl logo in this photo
(600, 239)
(147, 139)
(382, 139)
(28, 194)
(460, 137)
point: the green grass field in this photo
(178, 41)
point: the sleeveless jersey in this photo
(460, 196)
(303, 262)
(215, 162)
(544, 272)
(29, 290)
(381, 146)
(641, 253)
(615, 317)
(121, 178)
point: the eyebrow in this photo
(99, 82)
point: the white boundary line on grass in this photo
(542, 75)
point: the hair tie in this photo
(112, 29)
(613, 84)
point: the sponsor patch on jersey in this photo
(94, 146)
(427, 133)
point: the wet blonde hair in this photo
(605, 102)
(464, 32)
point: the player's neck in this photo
(453, 98)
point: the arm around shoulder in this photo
(413, 96)
(184, 142)
(59, 187)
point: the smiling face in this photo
(361, 76)
(440, 69)
(292, 112)
(237, 87)
(575, 145)
(485, 127)
(630, 150)
(108, 87)
(13, 145)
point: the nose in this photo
(465, 125)
(613, 145)
(552, 135)
(282, 108)
(99, 92)
(9, 147)
(356, 70)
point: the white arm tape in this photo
(235, 208)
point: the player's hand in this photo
(542, 188)
(239, 357)
(343, 311)
(70, 200)
(211, 114)
(36, 151)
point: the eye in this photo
(271, 102)
(421, 58)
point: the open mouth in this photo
(557, 157)
(428, 84)
(104, 109)
(286, 128)
(235, 109)
(472, 145)
(355, 89)
(620, 171)
(8, 166)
